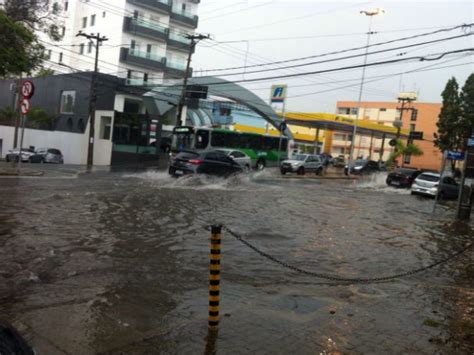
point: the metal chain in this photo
(344, 279)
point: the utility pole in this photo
(182, 100)
(16, 110)
(466, 193)
(93, 94)
(403, 100)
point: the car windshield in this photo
(428, 177)
(300, 157)
(360, 162)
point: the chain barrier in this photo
(344, 279)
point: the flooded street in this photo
(117, 263)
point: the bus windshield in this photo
(183, 139)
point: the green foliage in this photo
(451, 126)
(20, 52)
(45, 72)
(401, 149)
(467, 105)
(40, 119)
(8, 116)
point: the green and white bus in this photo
(262, 149)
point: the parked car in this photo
(402, 177)
(301, 163)
(339, 162)
(47, 155)
(430, 184)
(211, 162)
(13, 154)
(240, 157)
(362, 166)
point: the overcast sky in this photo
(249, 32)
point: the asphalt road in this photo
(117, 263)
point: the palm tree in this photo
(401, 150)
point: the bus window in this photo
(233, 140)
(218, 139)
(181, 141)
(202, 139)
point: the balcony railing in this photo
(184, 17)
(141, 82)
(143, 59)
(144, 28)
(179, 38)
(176, 65)
(163, 5)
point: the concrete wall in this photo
(72, 145)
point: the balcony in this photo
(156, 5)
(145, 29)
(141, 82)
(176, 70)
(184, 17)
(142, 59)
(178, 41)
(195, 1)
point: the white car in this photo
(426, 184)
(239, 157)
(302, 163)
(13, 154)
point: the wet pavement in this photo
(117, 263)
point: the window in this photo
(132, 44)
(202, 139)
(66, 5)
(129, 74)
(237, 154)
(89, 47)
(183, 6)
(48, 55)
(103, 14)
(344, 111)
(148, 50)
(63, 31)
(414, 114)
(407, 158)
(68, 99)
(339, 137)
(61, 57)
(412, 127)
(218, 139)
(354, 111)
(145, 77)
(93, 20)
(81, 48)
(84, 22)
(105, 124)
(383, 109)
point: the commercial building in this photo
(146, 38)
(417, 116)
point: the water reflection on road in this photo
(117, 263)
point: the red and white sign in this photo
(24, 106)
(27, 89)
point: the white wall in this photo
(72, 145)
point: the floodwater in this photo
(117, 263)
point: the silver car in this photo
(47, 155)
(239, 157)
(426, 184)
(13, 154)
(302, 163)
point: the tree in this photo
(8, 116)
(467, 106)
(21, 53)
(450, 134)
(401, 149)
(40, 119)
(45, 72)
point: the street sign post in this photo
(452, 155)
(25, 106)
(27, 89)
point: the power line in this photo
(354, 55)
(239, 11)
(346, 50)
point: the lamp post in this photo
(371, 14)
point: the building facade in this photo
(417, 116)
(146, 38)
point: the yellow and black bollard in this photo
(214, 277)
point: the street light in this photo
(371, 14)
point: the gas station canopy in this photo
(330, 122)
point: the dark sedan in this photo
(362, 166)
(402, 177)
(210, 162)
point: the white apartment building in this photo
(146, 43)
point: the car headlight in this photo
(357, 168)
